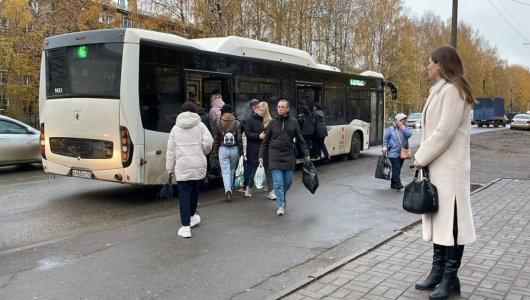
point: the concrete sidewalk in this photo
(496, 266)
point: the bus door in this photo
(377, 124)
(308, 91)
(203, 85)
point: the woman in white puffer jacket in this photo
(188, 144)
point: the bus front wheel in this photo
(355, 149)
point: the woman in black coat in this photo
(253, 129)
(321, 132)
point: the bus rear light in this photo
(42, 141)
(126, 148)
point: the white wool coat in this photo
(444, 148)
(187, 146)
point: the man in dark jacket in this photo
(281, 151)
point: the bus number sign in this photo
(357, 82)
(82, 52)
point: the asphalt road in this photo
(69, 238)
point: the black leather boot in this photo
(450, 283)
(438, 260)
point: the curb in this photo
(313, 277)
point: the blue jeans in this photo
(282, 182)
(188, 199)
(250, 171)
(228, 159)
(397, 163)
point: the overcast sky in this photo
(505, 24)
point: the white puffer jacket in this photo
(187, 146)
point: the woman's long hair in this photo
(452, 70)
(266, 114)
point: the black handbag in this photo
(383, 169)
(309, 176)
(167, 190)
(421, 196)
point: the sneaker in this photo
(280, 211)
(272, 195)
(248, 192)
(185, 232)
(195, 220)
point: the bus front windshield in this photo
(92, 70)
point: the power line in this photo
(513, 17)
(520, 2)
(508, 22)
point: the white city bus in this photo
(109, 98)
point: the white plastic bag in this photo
(240, 171)
(259, 178)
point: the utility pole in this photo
(454, 23)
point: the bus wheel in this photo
(355, 150)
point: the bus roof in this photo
(241, 46)
(231, 45)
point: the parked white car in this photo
(414, 120)
(520, 121)
(19, 143)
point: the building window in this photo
(105, 19)
(126, 22)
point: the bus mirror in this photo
(392, 88)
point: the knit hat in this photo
(253, 102)
(226, 108)
(401, 116)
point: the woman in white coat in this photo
(187, 146)
(445, 150)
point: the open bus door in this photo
(203, 85)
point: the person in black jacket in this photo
(254, 133)
(306, 121)
(321, 132)
(279, 143)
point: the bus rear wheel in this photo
(355, 149)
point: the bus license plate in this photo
(81, 173)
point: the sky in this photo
(505, 24)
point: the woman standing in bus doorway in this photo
(187, 146)
(321, 132)
(228, 145)
(216, 103)
(267, 118)
(396, 137)
(445, 150)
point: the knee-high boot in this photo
(438, 260)
(450, 283)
